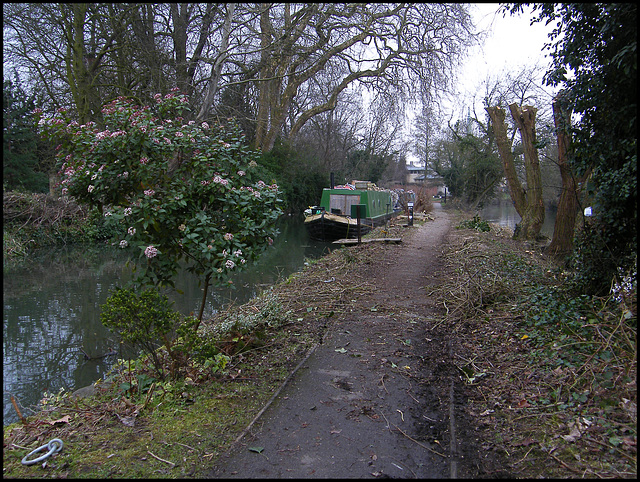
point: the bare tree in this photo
(272, 54)
(374, 44)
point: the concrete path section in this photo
(361, 405)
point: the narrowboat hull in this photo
(329, 227)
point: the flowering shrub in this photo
(184, 191)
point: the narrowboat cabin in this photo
(336, 215)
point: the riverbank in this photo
(524, 405)
(34, 220)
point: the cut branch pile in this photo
(39, 209)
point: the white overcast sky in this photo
(511, 43)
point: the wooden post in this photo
(358, 215)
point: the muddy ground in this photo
(380, 396)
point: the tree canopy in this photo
(279, 64)
(19, 141)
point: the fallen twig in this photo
(15, 405)
(161, 460)
(420, 444)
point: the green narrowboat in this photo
(336, 215)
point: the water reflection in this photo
(504, 213)
(51, 310)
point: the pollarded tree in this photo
(594, 54)
(527, 201)
(569, 203)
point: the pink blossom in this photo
(150, 252)
(124, 243)
(90, 188)
(127, 212)
(256, 194)
(241, 173)
(205, 125)
(131, 231)
(149, 192)
(144, 160)
(228, 236)
(179, 134)
(230, 264)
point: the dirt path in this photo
(379, 396)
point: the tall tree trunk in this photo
(533, 218)
(82, 67)
(264, 82)
(179, 13)
(568, 205)
(516, 191)
(528, 202)
(216, 69)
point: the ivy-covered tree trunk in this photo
(82, 65)
(528, 202)
(568, 205)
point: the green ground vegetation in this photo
(551, 372)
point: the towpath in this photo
(378, 397)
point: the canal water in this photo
(504, 213)
(52, 310)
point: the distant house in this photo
(415, 174)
